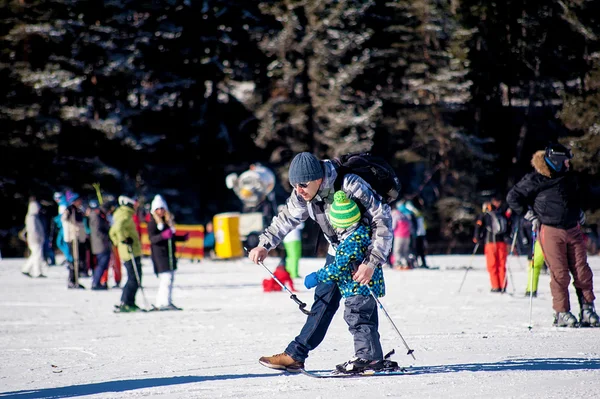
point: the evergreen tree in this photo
(422, 58)
(132, 94)
(317, 55)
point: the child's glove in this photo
(310, 281)
(166, 234)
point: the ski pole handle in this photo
(301, 305)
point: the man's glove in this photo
(581, 218)
(532, 217)
(128, 241)
(310, 281)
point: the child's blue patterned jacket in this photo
(349, 255)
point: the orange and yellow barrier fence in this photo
(193, 248)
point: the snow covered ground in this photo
(57, 343)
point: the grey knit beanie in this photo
(305, 167)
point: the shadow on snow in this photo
(560, 364)
(129, 385)
(121, 386)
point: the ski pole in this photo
(512, 281)
(510, 254)
(76, 258)
(169, 243)
(293, 296)
(410, 351)
(469, 267)
(534, 239)
(137, 276)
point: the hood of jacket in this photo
(123, 212)
(539, 164)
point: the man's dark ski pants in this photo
(326, 303)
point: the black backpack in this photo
(373, 169)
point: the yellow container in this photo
(227, 235)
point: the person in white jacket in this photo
(35, 241)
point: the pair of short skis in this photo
(365, 373)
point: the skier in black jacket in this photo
(551, 199)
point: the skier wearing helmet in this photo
(550, 198)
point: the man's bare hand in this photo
(363, 274)
(257, 254)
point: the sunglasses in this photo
(301, 185)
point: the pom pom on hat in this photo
(344, 212)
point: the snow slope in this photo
(59, 343)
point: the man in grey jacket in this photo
(313, 183)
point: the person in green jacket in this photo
(125, 237)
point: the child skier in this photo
(360, 306)
(161, 232)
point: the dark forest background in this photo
(169, 97)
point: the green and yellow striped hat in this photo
(344, 212)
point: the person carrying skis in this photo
(360, 306)
(312, 195)
(124, 236)
(161, 233)
(552, 195)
